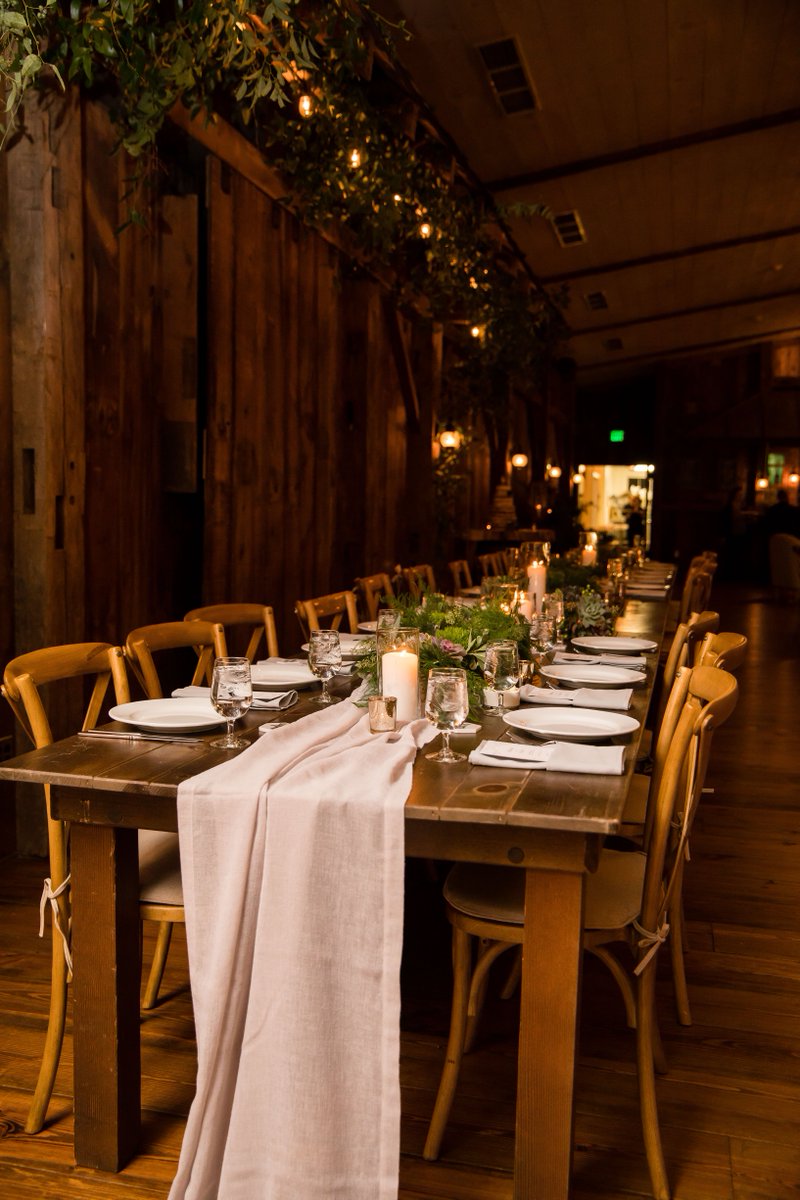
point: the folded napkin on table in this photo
(554, 756)
(292, 860)
(618, 698)
(634, 662)
(274, 700)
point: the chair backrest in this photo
(328, 612)
(711, 696)
(725, 650)
(784, 561)
(207, 638)
(491, 564)
(371, 589)
(696, 589)
(462, 576)
(256, 619)
(419, 579)
(22, 680)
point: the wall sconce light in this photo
(449, 438)
(794, 478)
(519, 460)
(762, 483)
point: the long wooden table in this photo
(550, 825)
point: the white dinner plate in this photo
(367, 626)
(615, 645)
(276, 675)
(590, 676)
(171, 715)
(353, 645)
(568, 724)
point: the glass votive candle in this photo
(382, 714)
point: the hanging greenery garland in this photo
(293, 76)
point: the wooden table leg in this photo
(551, 959)
(105, 939)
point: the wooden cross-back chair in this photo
(161, 897)
(627, 901)
(255, 620)
(206, 638)
(372, 589)
(419, 579)
(328, 612)
(462, 575)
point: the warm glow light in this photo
(473, 283)
(354, 158)
(762, 483)
(305, 106)
(425, 229)
(450, 439)
(554, 472)
(794, 478)
(640, 468)
(397, 197)
(581, 468)
(595, 474)
(519, 460)
(577, 477)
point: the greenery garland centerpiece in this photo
(451, 635)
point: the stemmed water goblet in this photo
(446, 707)
(325, 659)
(231, 696)
(501, 671)
(543, 641)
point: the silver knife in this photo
(141, 737)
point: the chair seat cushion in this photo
(159, 867)
(493, 893)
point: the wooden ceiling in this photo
(671, 127)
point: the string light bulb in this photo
(354, 158)
(554, 472)
(425, 229)
(477, 331)
(305, 106)
(450, 438)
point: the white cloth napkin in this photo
(616, 698)
(292, 857)
(275, 700)
(554, 756)
(634, 662)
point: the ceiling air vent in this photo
(595, 300)
(507, 76)
(612, 344)
(569, 229)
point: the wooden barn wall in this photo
(308, 444)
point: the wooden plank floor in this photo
(730, 1106)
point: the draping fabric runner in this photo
(292, 857)
(553, 756)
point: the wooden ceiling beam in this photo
(763, 335)
(647, 260)
(598, 162)
(714, 306)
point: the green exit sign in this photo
(616, 435)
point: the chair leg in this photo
(677, 945)
(646, 1033)
(622, 980)
(53, 1040)
(455, 1044)
(514, 976)
(490, 950)
(158, 964)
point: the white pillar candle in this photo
(399, 677)
(537, 584)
